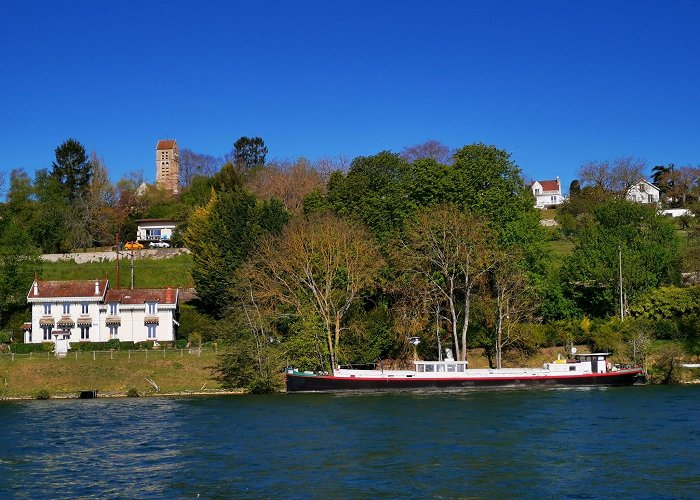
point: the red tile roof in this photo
(143, 295)
(165, 144)
(64, 289)
(550, 185)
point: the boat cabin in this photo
(447, 366)
(588, 363)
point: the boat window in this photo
(451, 368)
(572, 368)
(420, 368)
(429, 368)
(460, 367)
(441, 368)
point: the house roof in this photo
(552, 185)
(169, 221)
(65, 289)
(143, 295)
(165, 144)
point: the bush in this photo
(5, 337)
(43, 394)
(26, 348)
(132, 393)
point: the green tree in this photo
(19, 262)
(72, 168)
(649, 256)
(221, 236)
(249, 152)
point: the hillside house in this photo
(547, 193)
(89, 311)
(643, 192)
(154, 230)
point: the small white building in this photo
(547, 193)
(154, 230)
(88, 311)
(643, 192)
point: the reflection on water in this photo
(634, 441)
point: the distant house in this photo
(153, 230)
(547, 193)
(88, 311)
(643, 192)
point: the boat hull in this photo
(319, 383)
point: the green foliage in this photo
(72, 169)
(132, 393)
(43, 394)
(221, 236)
(249, 152)
(668, 302)
(650, 256)
(192, 320)
(370, 337)
(666, 368)
(250, 363)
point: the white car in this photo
(159, 244)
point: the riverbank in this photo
(114, 373)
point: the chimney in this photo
(168, 295)
(36, 288)
(97, 287)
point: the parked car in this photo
(159, 244)
(133, 245)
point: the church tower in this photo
(168, 165)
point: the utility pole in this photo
(132, 269)
(117, 249)
(622, 302)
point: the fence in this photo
(125, 355)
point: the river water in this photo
(637, 442)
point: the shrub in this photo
(26, 348)
(43, 394)
(132, 393)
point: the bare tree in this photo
(615, 176)
(513, 303)
(430, 149)
(681, 183)
(192, 164)
(289, 182)
(318, 265)
(451, 251)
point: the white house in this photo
(547, 193)
(152, 230)
(89, 311)
(643, 192)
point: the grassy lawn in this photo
(116, 373)
(148, 273)
(560, 249)
(548, 213)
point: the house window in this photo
(84, 332)
(47, 332)
(84, 307)
(153, 234)
(113, 309)
(66, 308)
(151, 307)
(47, 309)
(537, 191)
(29, 336)
(651, 198)
(553, 199)
(151, 331)
(113, 332)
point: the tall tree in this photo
(19, 262)
(451, 251)
(317, 266)
(249, 152)
(615, 176)
(72, 168)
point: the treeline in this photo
(335, 262)
(443, 248)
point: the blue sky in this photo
(556, 83)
